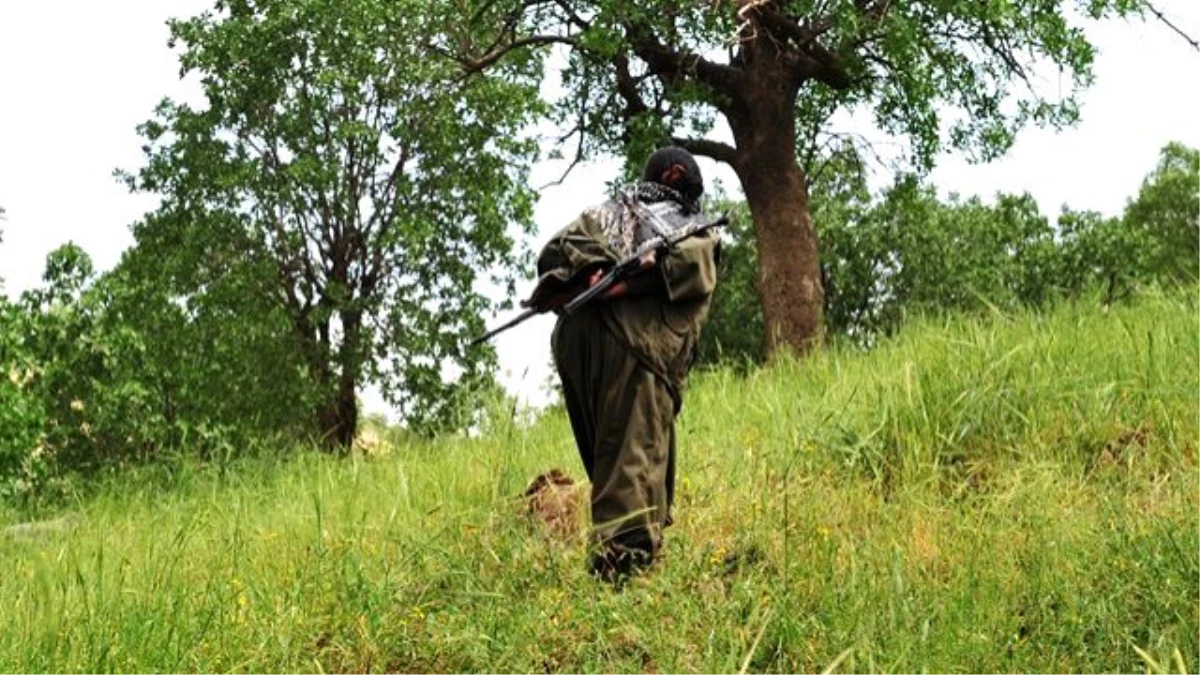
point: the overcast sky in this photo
(76, 77)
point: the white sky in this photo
(77, 76)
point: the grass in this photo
(1015, 493)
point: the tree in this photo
(1167, 211)
(213, 369)
(904, 250)
(58, 365)
(858, 255)
(22, 417)
(358, 185)
(1101, 252)
(965, 254)
(71, 363)
(957, 73)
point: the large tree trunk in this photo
(789, 274)
(338, 417)
(337, 412)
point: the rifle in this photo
(622, 270)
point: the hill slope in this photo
(1011, 494)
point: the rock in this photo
(44, 527)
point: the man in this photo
(624, 359)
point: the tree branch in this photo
(475, 65)
(809, 148)
(580, 128)
(627, 87)
(1153, 10)
(715, 150)
(875, 13)
(572, 16)
(861, 143)
(820, 63)
(663, 60)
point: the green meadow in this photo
(1013, 492)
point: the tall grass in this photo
(1015, 493)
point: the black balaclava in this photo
(677, 169)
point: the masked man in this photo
(624, 359)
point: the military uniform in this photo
(624, 365)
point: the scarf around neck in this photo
(619, 221)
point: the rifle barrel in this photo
(512, 322)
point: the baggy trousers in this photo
(623, 418)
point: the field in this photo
(1016, 493)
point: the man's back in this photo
(623, 361)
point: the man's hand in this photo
(597, 274)
(615, 291)
(621, 288)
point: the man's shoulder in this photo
(582, 222)
(590, 221)
(596, 212)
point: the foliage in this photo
(734, 329)
(101, 372)
(962, 255)
(64, 409)
(957, 75)
(906, 251)
(1012, 493)
(222, 366)
(360, 186)
(858, 247)
(1166, 211)
(78, 369)
(637, 74)
(22, 415)
(1099, 250)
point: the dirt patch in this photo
(556, 502)
(1124, 449)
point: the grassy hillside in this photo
(1010, 494)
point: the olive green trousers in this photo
(623, 419)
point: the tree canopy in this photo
(958, 74)
(1166, 211)
(363, 187)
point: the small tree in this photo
(1099, 251)
(1167, 211)
(22, 415)
(360, 184)
(733, 332)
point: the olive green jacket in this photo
(661, 316)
